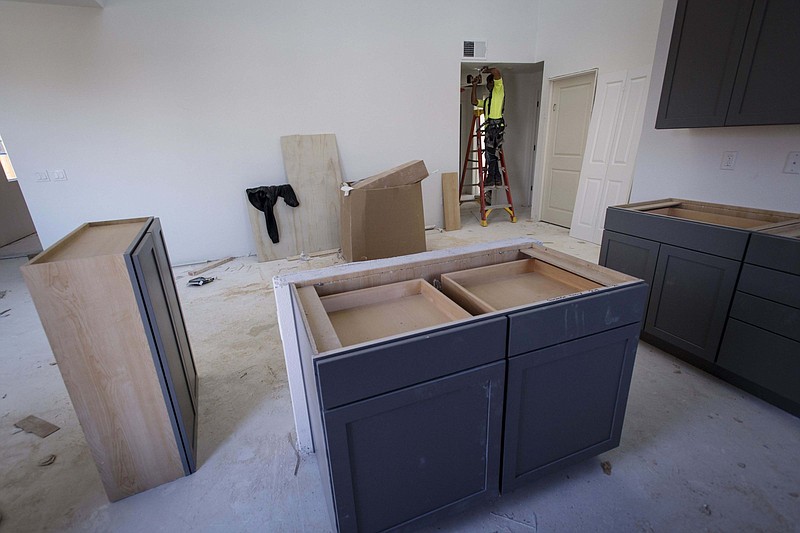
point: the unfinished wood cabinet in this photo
(403, 386)
(108, 304)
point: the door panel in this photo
(566, 403)
(168, 357)
(690, 298)
(406, 454)
(571, 109)
(607, 170)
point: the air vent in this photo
(474, 49)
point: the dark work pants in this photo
(494, 130)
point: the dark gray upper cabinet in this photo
(768, 80)
(732, 63)
(707, 41)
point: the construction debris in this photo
(37, 426)
(606, 466)
(209, 266)
(47, 461)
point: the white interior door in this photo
(571, 108)
(607, 171)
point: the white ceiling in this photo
(79, 3)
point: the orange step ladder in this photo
(475, 149)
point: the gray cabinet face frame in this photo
(174, 367)
(631, 255)
(405, 455)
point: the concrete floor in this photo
(696, 453)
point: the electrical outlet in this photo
(728, 160)
(792, 165)
(41, 176)
(57, 175)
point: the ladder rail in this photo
(475, 135)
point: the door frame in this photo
(544, 126)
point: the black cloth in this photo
(264, 198)
(494, 130)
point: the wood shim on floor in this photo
(37, 426)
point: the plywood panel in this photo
(313, 171)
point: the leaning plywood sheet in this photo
(313, 171)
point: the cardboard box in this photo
(383, 222)
(405, 174)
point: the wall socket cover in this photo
(792, 165)
(57, 175)
(728, 160)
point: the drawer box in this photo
(777, 248)
(770, 284)
(771, 316)
(374, 313)
(388, 366)
(508, 285)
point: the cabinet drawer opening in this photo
(493, 288)
(719, 214)
(354, 317)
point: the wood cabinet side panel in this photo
(90, 314)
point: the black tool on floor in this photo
(200, 280)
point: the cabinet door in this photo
(566, 403)
(689, 301)
(707, 41)
(410, 453)
(161, 321)
(768, 80)
(629, 255)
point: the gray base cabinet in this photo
(548, 426)
(410, 388)
(724, 290)
(402, 456)
(762, 340)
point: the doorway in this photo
(17, 233)
(571, 101)
(523, 88)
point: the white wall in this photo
(578, 35)
(174, 108)
(685, 163)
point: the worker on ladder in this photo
(494, 126)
